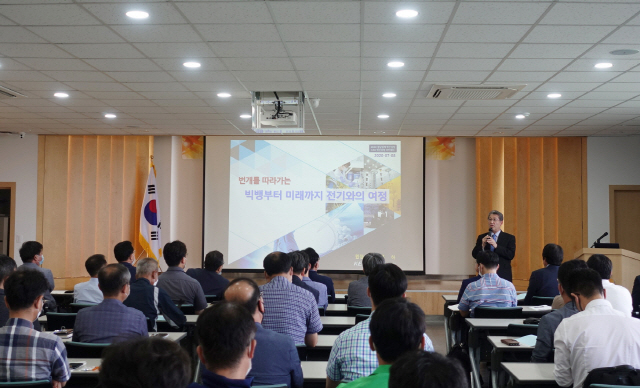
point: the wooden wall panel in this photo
(542, 192)
(90, 192)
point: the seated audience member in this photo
(145, 363)
(314, 260)
(427, 370)
(7, 266)
(599, 336)
(226, 333)
(152, 300)
(397, 327)
(351, 357)
(491, 290)
(291, 310)
(182, 288)
(275, 360)
(543, 351)
(635, 294)
(357, 291)
(618, 296)
(111, 320)
(466, 282)
(323, 300)
(210, 277)
(89, 292)
(126, 255)
(544, 281)
(27, 354)
(297, 268)
(32, 258)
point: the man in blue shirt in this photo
(544, 281)
(181, 287)
(491, 290)
(226, 333)
(289, 309)
(32, 258)
(126, 255)
(152, 300)
(275, 360)
(89, 292)
(298, 264)
(314, 260)
(543, 352)
(210, 277)
(111, 320)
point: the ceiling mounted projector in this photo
(277, 112)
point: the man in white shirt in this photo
(619, 296)
(89, 292)
(596, 337)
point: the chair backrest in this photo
(624, 375)
(31, 384)
(542, 300)
(84, 350)
(56, 321)
(187, 309)
(497, 312)
(75, 307)
(321, 310)
(352, 311)
(517, 330)
(212, 298)
(302, 351)
(361, 317)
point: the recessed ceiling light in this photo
(554, 95)
(137, 14)
(379, 132)
(389, 95)
(60, 95)
(224, 95)
(383, 116)
(498, 133)
(520, 116)
(603, 65)
(110, 116)
(192, 65)
(395, 64)
(624, 52)
(407, 13)
(245, 116)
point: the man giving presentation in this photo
(502, 243)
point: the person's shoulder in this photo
(274, 337)
(511, 236)
(135, 312)
(193, 271)
(359, 330)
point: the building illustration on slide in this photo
(286, 195)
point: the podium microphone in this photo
(605, 234)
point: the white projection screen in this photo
(342, 196)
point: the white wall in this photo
(19, 164)
(450, 211)
(610, 161)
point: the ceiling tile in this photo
(123, 64)
(402, 33)
(381, 64)
(217, 12)
(185, 51)
(105, 50)
(590, 14)
(560, 87)
(498, 13)
(314, 12)
(24, 76)
(11, 34)
(10, 64)
(56, 64)
(397, 49)
(485, 33)
(237, 64)
(76, 34)
(32, 50)
(140, 76)
(428, 12)
(470, 64)
(392, 76)
(549, 51)
(322, 63)
(249, 50)
(567, 34)
(533, 64)
(320, 32)
(48, 15)
(239, 32)
(472, 50)
(78, 76)
(314, 49)
(158, 33)
(268, 76)
(456, 76)
(588, 65)
(521, 76)
(585, 76)
(203, 76)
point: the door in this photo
(624, 214)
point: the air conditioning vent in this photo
(10, 93)
(473, 92)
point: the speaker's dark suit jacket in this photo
(506, 250)
(635, 294)
(543, 282)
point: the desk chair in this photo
(321, 311)
(614, 376)
(361, 317)
(75, 307)
(516, 330)
(187, 309)
(31, 384)
(212, 298)
(302, 351)
(497, 312)
(352, 311)
(84, 350)
(542, 300)
(56, 321)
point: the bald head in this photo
(244, 292)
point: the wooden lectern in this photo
(626, 264)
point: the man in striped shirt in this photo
(490, 290)
(27, 354)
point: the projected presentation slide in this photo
(341, 197)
